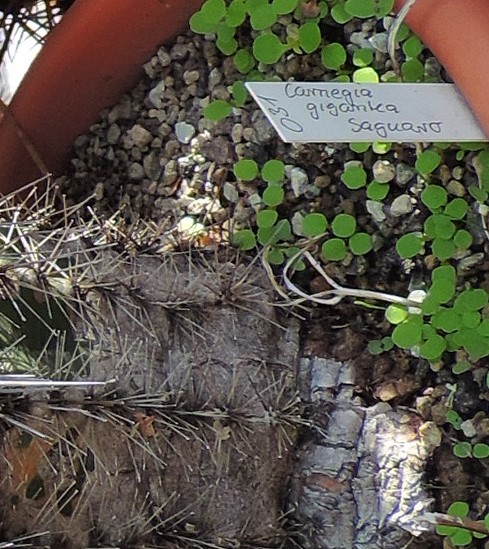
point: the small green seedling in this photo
(299, 32)
(218, 109)
(244, 239)
(461, 366)
(461, 537)
(379, 346)
(377, 191)
(368, 8)
(365, 75)
(268, 49)
(246, 170)
(343, 227)
(334, 249)
(273, 171)
(271, 232)
(445, 321)
(466, 449)
(314, 224)
(427, 162)
(354, 177)
(333, 56)
(441, 227)
(454, 419)
(410, 245)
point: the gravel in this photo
(299, 181)
(404, 174)
(383, 171)
(156, 144)
(401, 205)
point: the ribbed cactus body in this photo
(189, 438)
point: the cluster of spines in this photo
(60, 257)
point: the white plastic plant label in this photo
(319, 112)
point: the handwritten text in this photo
(384, 129)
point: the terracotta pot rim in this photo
(83, 68)
(459, 40)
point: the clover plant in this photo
(273, 171)
(314, 224)
(466, 449)
(354, 177)
(344, 11)
(454, 419)
(246, 169)
(360, 147)
(222, 18)
(427, 162)
(345, 237)
(441, 227)
(409, 245)
(445, 321)
(377, 191)
(219, 108)
(379, 346)
(244, 239)
(481, 163)
(271, 231)
(381, 147)
(333, 56)
(378, 147)
(363, 57)
(273, 37)
(412, 47)
(276, 234)
(461, 366)
(365, 75)
(412, 70)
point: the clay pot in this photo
(90, 58)
(458, 34)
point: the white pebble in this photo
(156, 95)
(230, 192)
(299, 181)
(379, 42)
(383, 171)
(376, 210)
(184, 132)
(401, 205)
(189, 77)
